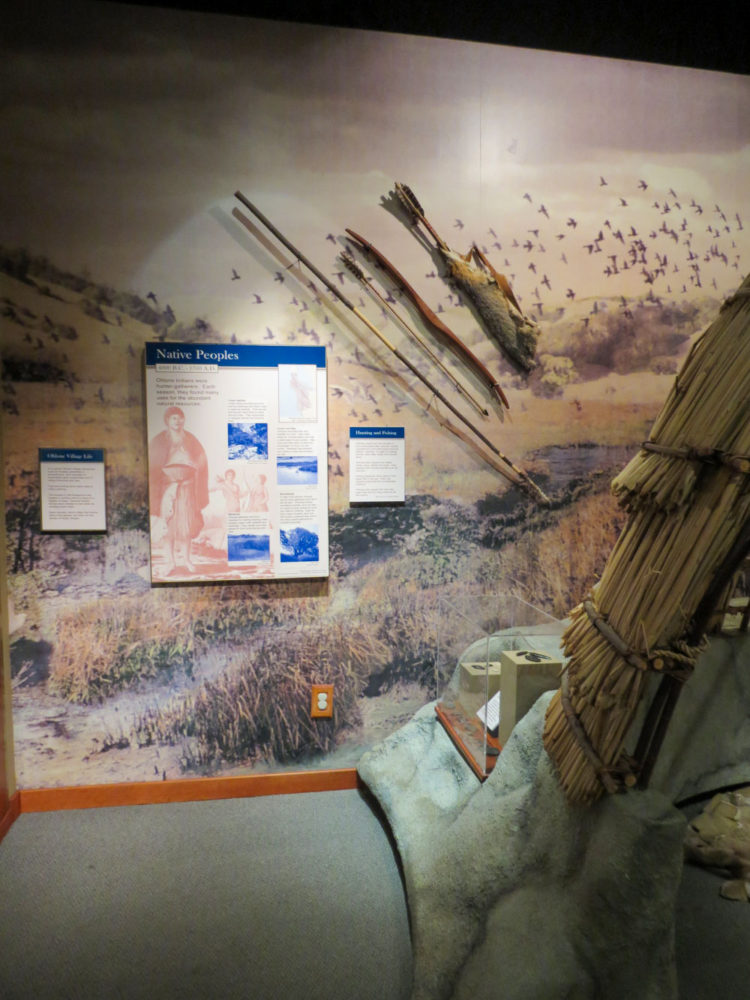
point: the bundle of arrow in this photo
(688, 497)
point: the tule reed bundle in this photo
(687, 493)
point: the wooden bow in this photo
(435, 322)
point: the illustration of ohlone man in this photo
(178, 487)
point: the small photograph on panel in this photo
(249, 548)
(247, 441)
(297, 470)
(300, 544)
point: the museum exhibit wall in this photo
(611, 194)
(6, 768)
(9, 804)
(8, 799)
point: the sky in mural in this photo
(128, 131)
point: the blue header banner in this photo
(376, 432)
(71, 454)
(233, 355)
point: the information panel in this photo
(72, 486)
(376, 465)
(238, 461)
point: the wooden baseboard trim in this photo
(186, 790)
(11, 814)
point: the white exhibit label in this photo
(376, 464)
(72, 486)
(489, 714)
(238, 461)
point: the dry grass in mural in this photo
(109, 645)
(260, 707)
(409, 627)
(554, 568)
(232, 613)
(405, 620)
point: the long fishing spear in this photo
(523, 479)
(353, 267)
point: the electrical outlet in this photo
(322, 701)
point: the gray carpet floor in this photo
(279, 898)
(263, 898)
(713, 934)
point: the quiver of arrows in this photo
(487, 290)
(502, 319)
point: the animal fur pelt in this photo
(496, 305)
(488, 291)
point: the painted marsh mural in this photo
(620, 238)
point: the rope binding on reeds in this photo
(710, 456)
(615, 778)
(677, 661)
(739, 295)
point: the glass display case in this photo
(499, 654)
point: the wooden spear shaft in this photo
(435, 322)
(351, 265)
(523, 479)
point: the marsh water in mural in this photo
(620, 241)
(249, 548)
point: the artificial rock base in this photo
(513, 893)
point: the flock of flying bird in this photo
(650, 247)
